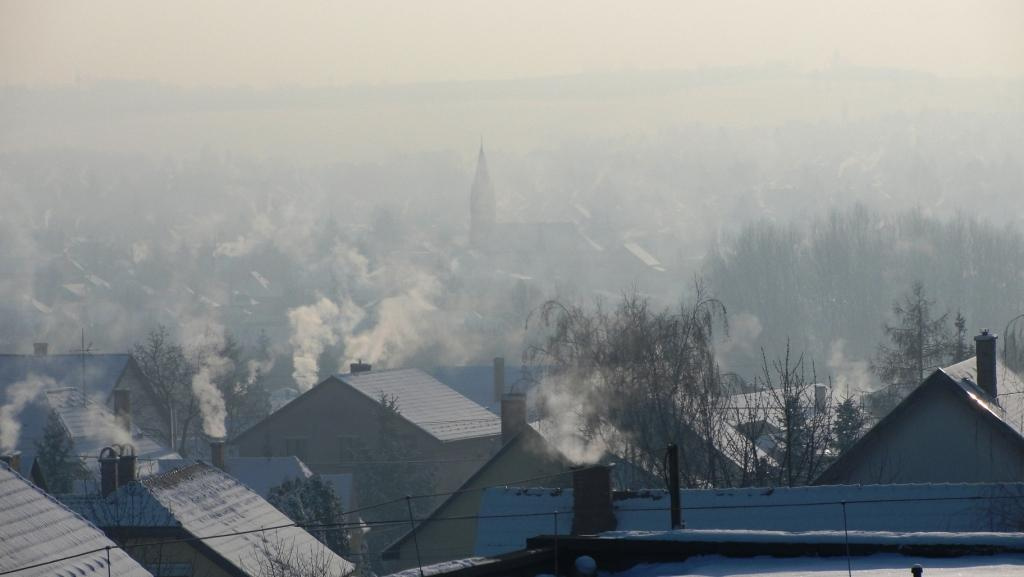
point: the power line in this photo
(350, 524)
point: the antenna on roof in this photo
(83, 351)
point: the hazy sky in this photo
(256, 42)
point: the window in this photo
(295, 446)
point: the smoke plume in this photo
(19, 395)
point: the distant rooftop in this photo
(427, 403)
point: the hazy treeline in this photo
(828, 283)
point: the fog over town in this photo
(669, 223)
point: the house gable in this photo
(450, 530)
(974, 444)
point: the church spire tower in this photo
(482, 209)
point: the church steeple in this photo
(482, 209)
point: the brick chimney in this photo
(40, 349)
(592, 500)
(513, 415)
(123, 409)
(217, 454)
(108, 471)
(126, 466)
(985, 345)
(359, 367)
(13, 460)
(499, 378)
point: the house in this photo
(449, 531)
(39, 536)
(332, 426)
(963, 424)
(25, 379)
(198, 520)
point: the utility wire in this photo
(343, 525)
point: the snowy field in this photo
(890, 565)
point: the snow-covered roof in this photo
(1010, 394)
(427, 403)
(92, 427)
(204, 501)
(34, 528)
(508, 516)
(880, 565)
(476, 382)
(261, 474)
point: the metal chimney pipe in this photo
(108, 471)
(499, 378)
(675, 505)
(985, 345)
(126, 466)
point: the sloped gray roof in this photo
(204, 501)
(92, 426)
(1010, 391)
(427, 403)
(34, 528)
(261, 474)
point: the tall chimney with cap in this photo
(499, 378)
(513, 415)
(126, 465)
(108, 471)
(40, 349)
(985, 345)
(217, 454)
(123, 409)
(592, 500)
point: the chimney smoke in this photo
(985, 345)
(123, 409)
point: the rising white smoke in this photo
(851, 376)
(208, 340)
(314, 328)
(19, 395)
(566, 426)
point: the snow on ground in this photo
(889, 565)
(1014, 540)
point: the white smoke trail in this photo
(19, 395)
(211, 402)
(208, 339)
(851, 376)
(565, 426)
(314, 328)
